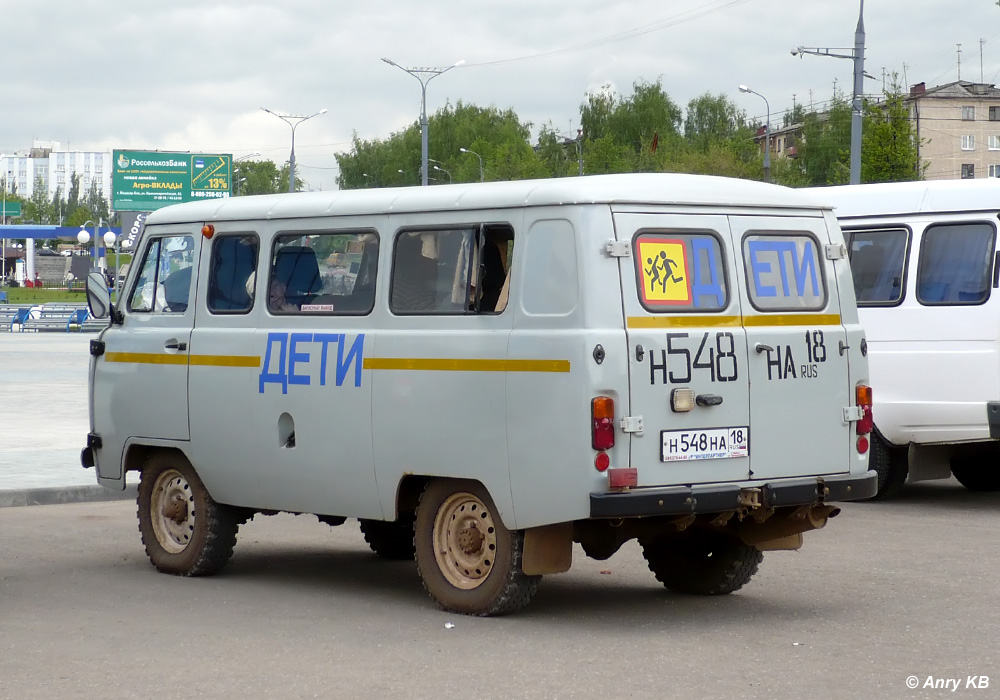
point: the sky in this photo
(192, 76)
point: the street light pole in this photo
(767, 133)
(419, 74)
(440, 169)
(481, 174)
(857, 55)
(83, 237)
(287, 118)
(110, 239)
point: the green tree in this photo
(38, 208)
(713, 119)
(631, 121)
(498, 136)
(888, 142)
(890, 150)
(261, 177)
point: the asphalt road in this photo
(885, 592)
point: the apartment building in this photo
(55, 167)
(958, 125)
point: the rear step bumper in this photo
(683, 500)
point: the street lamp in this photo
(440, 169)
(298, 120)
(767, 133)
(466, 150)
(109, 241)
(83, 237)
(419, 74)
(857, 55)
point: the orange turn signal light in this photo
(208, 231)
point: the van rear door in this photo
(798, 350)
(687, 349)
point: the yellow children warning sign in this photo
(664, 273)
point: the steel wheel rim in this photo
(465, 541)
(172, 511)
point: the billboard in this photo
(149, 180)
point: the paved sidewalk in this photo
(44, 421)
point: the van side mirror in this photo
(98, 296)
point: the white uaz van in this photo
(926, 267)
(483, 374)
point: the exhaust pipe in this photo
(798, 521)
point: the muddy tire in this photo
(702, 562)
(184, 531)
(390, 540)
(890, 463)
(468, 561)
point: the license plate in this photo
(717, 443)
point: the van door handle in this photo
(708, 399)
(760, 347)
(175, 345)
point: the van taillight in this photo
(863, 395)
(602, 423)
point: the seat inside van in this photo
(296, 267)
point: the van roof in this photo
(646, 188)
(895, 198)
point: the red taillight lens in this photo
(863, 394)
(602, 423)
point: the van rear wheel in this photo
(702, 562)
(184, 531)
(468, 560)
(977, 466)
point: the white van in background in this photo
(483, 374)
(926, 275)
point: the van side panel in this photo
(438, 383)
(566, 300)
(934, 366)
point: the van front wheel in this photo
(702, 562)
(469, 561)
(184, 531)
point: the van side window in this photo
(453, 271)
(323, 273)
(784, 272)
(164, 283)
(955, 264)
(878, 264)
(231, 274)
(680, 271)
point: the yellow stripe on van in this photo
(792, 320)
(226, 360)
(460, 365)
(153, 358)
(733, 321)
(683, 321)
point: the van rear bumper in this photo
(683, 500)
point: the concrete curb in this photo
(63, 494)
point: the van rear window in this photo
(878, 263)
(784, 272)
(680, 271)
(955, 264)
